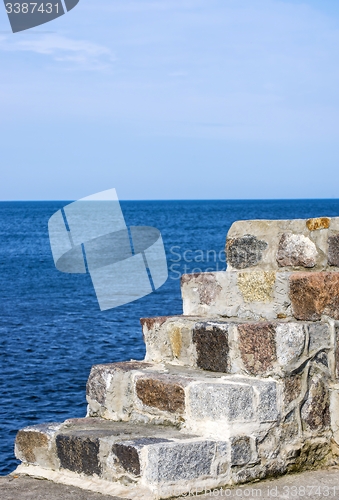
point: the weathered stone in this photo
(241, 450)
(79, 453)
(127, 453)
(153, 322)
(28, 442)
(209, 288)
(313, 453)
(34, 444)
(318, 223)
(222, 459)
(314, 294)
(221, 401)
(333, 250)
(296, 250)
(100, 376)
(321, 359)
(336, 351)
(292, 388)
(267, 409)
(109, 389)
(266, 397)
(211, 342)
(315, 412)
(245, 251)
(257, 347)
(180, 461)
(290, 342)
(256, 286)
(162, 393)
(175, 337)
(320, 337)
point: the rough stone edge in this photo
(96, 485)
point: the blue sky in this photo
(173, 99)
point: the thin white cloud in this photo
(75, 54)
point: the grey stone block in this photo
(290, 342)
(226, 401)
(180, 461)
(320, 337)
(245, 251)
(267, 409)
(241, 450)
(266, 398)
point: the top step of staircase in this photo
(272, 245)
(276, 269)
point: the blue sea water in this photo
(51, 328)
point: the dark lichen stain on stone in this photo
(333, 250)
(28, 441)
(79, 454)
(212, 348)
(160, 394)
(245, 251)
(257, 346)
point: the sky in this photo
(172, 99)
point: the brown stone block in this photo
(257, 347)
(211, 342)
(161, 393)
(314, 294)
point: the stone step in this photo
(275, 269)
(294, 245)
(262, 348)
(203, 402)
(159, 460)
(261, 294)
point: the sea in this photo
(51, 328)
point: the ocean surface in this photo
(51, 328)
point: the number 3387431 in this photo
(30, 8)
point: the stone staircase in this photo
(243, 386)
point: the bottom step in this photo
(159, 459)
